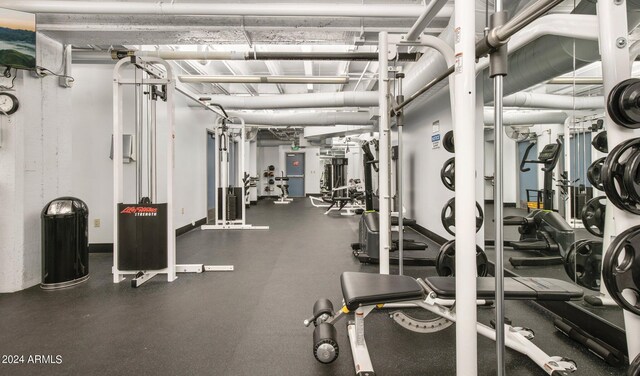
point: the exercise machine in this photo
(365, 292)
(143, 232)
(230, 213)
(282, 182)
(366, 250)
(543, 231)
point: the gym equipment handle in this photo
(524, 159)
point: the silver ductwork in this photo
(561, 102)
(303, 119)
(310, 100)
(527, 117)
(552, 56)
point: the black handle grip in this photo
(525, 158)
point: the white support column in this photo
(464, 128)
(171, 135)
(118, 191)
(614, 49)
(384, 153)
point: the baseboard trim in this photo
(506, 204)
(429, 234)
(191, 226)
(101, 248)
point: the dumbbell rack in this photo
(266, 176)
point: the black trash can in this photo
(65, 243)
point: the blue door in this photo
(295, 172)
(211, 173)
(529, 179)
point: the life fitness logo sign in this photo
(140, 211)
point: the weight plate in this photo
(614, 100)
(593, 215)
(583, 263)
(446, 260)
(628, 104)
(448, 142)
(613, 171)
(448, 174)
(594, 174)
(621, 269)
(600, 142)
(448, 216)
(631, 178)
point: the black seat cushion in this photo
(369, 289)
(519, 288)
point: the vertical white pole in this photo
(242, 168)
(118, 119)
(499, 217)
(567, 167)
(384, 154)
(171, 134)
(152, 153)
(464, 128)
(614, 49)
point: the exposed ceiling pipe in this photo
(206, 55)
(527, 118)
(218, 9)
(301, 119)
(310, 100)
(563, 102)
(263, 55)
(264, 79)
(429, 13)
(575, 80)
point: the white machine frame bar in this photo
(119, 83)
(516, 338)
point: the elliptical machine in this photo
(543, 231)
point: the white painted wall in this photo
(313, 170)
(35, 167)
(424, 193)
(510, 167)
(355, 168)
(92, 126)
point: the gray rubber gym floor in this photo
(244, 322)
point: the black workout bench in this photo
(364, 292)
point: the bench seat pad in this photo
(369, 289)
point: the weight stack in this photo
(233, 206)
(142, 236)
